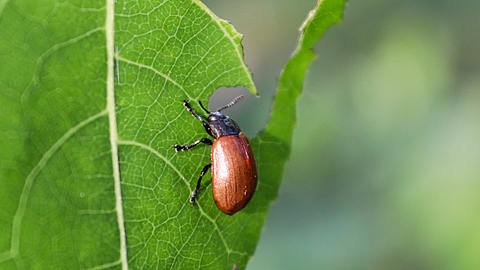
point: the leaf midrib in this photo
(112, 121)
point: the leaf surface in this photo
(89, 109)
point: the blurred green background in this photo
(385, 168)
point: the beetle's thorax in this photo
(222, 125)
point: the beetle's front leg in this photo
(179, 148)
(193, 197)
(189, 108)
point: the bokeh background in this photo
(385, 168)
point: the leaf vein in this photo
(106, 265)
(189, 73)
(142, 13)
(41, 59)
(3, 4)
(22, 205)
(5, 256)
(165, 76)
(179, 251)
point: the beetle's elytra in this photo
(234, 173)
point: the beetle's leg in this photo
(193, 197)
(198, 117)
(179, 148)
(189, 108)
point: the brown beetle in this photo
(234, 173)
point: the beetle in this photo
(232, 163)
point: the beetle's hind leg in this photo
(180, 148)
(193, 197)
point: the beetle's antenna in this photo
(233, 102)
(203, 107)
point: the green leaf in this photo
(89, 109)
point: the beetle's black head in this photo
(222, 125)
(219, 124)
